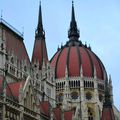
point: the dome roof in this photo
(75, 55)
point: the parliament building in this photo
(72, 85)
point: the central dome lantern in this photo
(75, 56)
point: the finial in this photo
(1, 14)
(58, 48)
(40, 2)
(61, 45)
(72, 2)
(85, 44)
(40, 32)
(22, 31)
(110, 80)
(89, 47)
(73, 33)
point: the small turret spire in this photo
(40, 32)
(107, 101)
(107, 111)
(73, 33)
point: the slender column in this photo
(96, 96)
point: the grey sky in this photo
(98, 21)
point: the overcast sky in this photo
(98, 21)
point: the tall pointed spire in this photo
(107, 112)
(40, 50)
(40, 32)
(73, 33)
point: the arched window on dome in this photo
(74, 83)
(90, 114)
(62, 85)
(88, 84)
(58, 85)
(84, 84)
(70, 83)
(78, 83)
(74, 95)
(92, 84)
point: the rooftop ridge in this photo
(11, 27)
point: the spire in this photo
(40, 49)
(73, 33)
(107, 101)
(107, 112)
(40, 32)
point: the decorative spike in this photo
(107, 112)
(73, 33)
(111, 89)
(1, 14)
(89, 47)
(110, 80)
(58, 48)
(107, 101)
(73, 13)
(85, 45)
(61, 45)
(40, 32)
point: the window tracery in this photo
(74, 95)
(88, 96)
(90, 114)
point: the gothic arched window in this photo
(90, 114)
(88, 95)
(74, 95)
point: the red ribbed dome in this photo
(74, 55)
